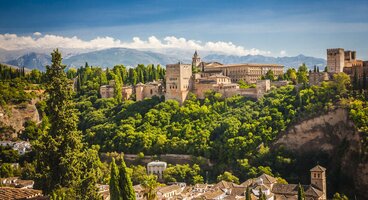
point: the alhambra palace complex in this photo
(213, 76)
(223, 78)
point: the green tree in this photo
(301, 195)
(228, 176)
(261, 195)
(150, 184)
(337, 196)
(125, 183)
(355, 80)
(302, 74)
(341, 82)
(270, 75)
(114, 181)
(364, 86)
(247, 194)
(59, 150)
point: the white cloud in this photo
(37, 34)
(15, 42)
(282, 53)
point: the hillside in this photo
(32, 60)
(333, 140)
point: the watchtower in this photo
(318, 179)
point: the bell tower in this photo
(196, 60)
(318, 179)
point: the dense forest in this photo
(234, 133)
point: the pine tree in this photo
(247, 194)
(125, 183)
(301, 195)
(114, 182)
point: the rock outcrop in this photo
(15, 115)
(336, 136)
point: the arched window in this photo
(151, 91)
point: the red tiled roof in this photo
(8, 193)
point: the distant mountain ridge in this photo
(288, 62)
(32, 61)
(132, 57)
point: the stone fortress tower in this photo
(335, 60)
(196, 60)
(318, 180)
(178, 81)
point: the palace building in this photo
(214, 76)
(246, 72)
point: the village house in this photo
(21, 146)
(157, 168)
(11, 193)
(169, 192)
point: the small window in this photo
(151, 91)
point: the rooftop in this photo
(8, 193)
(318, 168)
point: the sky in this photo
(265, 27)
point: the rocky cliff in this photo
(335, 136)
(14, 116)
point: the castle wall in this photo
(316, 78)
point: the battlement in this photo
(335, 51)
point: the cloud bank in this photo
(15, 42)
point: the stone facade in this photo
(127, 92)
(335, 60)
(107, 91)
(316, 78)
(178, 81)
(218, 83)
(339, 60)
(148, 90)
(248, 73)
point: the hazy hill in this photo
(294, 61)
(131, 57)
(114, 56)
(32, 61)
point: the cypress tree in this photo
(355, 80)
(59, 151)
(364, 80)
(114, 182)
(301, 195)
(125, 183)
(247, 194)
(118, 88)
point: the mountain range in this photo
(132, 57)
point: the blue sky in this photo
(273, 26)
